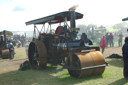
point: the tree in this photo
(120, 25)
(89, 30)
(83, 28)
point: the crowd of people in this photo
(110, 38)
(19, 43)
(15, 43)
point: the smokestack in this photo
(72, 19)
(5, 40)
(72, 16)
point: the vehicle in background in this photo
(5, 36)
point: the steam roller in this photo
(4, 37)
(63, 46)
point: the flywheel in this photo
(37, 55)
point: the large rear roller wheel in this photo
(37, 55)
(92, 63)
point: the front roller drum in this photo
(5, 53)
(91, 63)
(37, 55)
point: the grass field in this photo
(113, 75)
(20, 53)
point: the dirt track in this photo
(10, 65)
(11, 62)
(113, 50)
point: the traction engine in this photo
(63, 47)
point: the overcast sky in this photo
(14, 13)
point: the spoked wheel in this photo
(92, 63)
(37, 55)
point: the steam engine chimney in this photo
(72, 19)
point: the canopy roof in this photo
(56, 18)
(7, 33)
(125, 19)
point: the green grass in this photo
(113, 75)
(20, 53)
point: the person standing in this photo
(125, 58)
(16, 41)
(19, 43)
(103, 43)
(107, 38)
(111, 40)
(120, 39)
(11, 49)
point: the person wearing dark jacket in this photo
(125, 58)
(11, 49)
(85, 41)
(120, 39)
(107, 39)
(111, 40)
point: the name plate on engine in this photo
(66, 44)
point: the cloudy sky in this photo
(14, 13)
